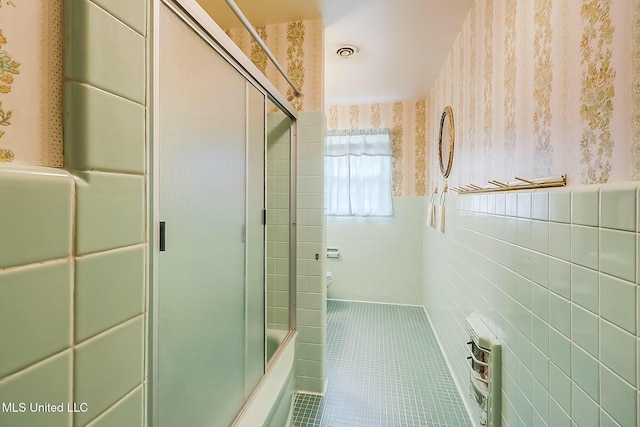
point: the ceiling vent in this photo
(347, 51)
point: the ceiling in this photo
(402, 43)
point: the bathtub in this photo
(274, 338)
(271, 403)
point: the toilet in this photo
(329, 278)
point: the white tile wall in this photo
(311, 234)
(380, 258)
(555, 274)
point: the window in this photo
(357, 167)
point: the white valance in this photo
(358, 142)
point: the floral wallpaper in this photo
(8, 69)
(542, 85)
(31, 82)
(598, 91)
(408, 121)
(635, 89)
(298, 47)
(542, 88)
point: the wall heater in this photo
(484, 373)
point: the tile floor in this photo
(384, 368)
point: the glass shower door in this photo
(207, 275)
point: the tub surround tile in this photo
(108, 367)
(585, 205)
(92, 142)
(618, 302)
(618, 253)
(110, 211)
(97, 41)
(46, 382)
(109, 289)
(36, 214)
(35, 314)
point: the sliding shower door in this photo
(209, 310)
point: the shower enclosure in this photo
(224, 208)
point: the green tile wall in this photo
(46, 382)
(92, 141)
(35, 313)
(36, 214)
(380, 258)
(311, 287)
(108, 290)
(127, 412)
(72, 281)
(104, 52)
(108, 367)
(110, 211)
(566, 310)
(278, 189)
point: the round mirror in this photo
(446, 140)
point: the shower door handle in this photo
(162, 236)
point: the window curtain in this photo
(358, 172)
